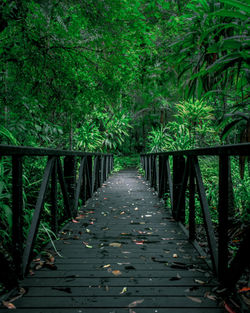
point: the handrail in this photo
(187, 175)
(36, 151)
(234, 150)
(61, 168)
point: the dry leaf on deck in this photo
(198, 281)
(134, 304)
(8, 305)
(115, 244)
(116, 272)
(210, 296)
(124, 290)
(194, 299)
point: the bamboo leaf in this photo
(237, 4)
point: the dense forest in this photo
(125, 77)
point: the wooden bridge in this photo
(123, 251)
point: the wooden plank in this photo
(121, 310)
(116, 291)
(134, 272)
(110, 281)
(114, 302)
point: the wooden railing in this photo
(186, 175)
(79, 175)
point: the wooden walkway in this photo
(124, 254)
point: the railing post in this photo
(83, 189)
(191, 223)
(102, 170)
(89, 177)
(169, 182)
(154, 174)
(54, 198)
(147, 167)
(107, 164)
(223, 217)
(79, 184)
(95, 177)
(99, 169)
(150, 169)
(178, 171)
(161, 177)
(17, 213)
(70, 178)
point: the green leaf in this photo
(228, 13)
(238, 4)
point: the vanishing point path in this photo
(123, 253)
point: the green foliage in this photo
(193, 127)
(123, 162)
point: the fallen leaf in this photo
(75, 221)
(139, 242)
(179, 265)
(210, 296)
(175, 255)
(115, 244)
(116, 272)
(87, 230)
(129, 267)
(106, 266)
(87, 245)
(136, 209)
(51, 266)
(228, 308)
(80, 217)
(134, 304)
(8, 305)
(177, 277)
(194, 299)
(159, 261)
(123, 290)
(198, 281)
(21, 292)
(244, 289)
(39, 265)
